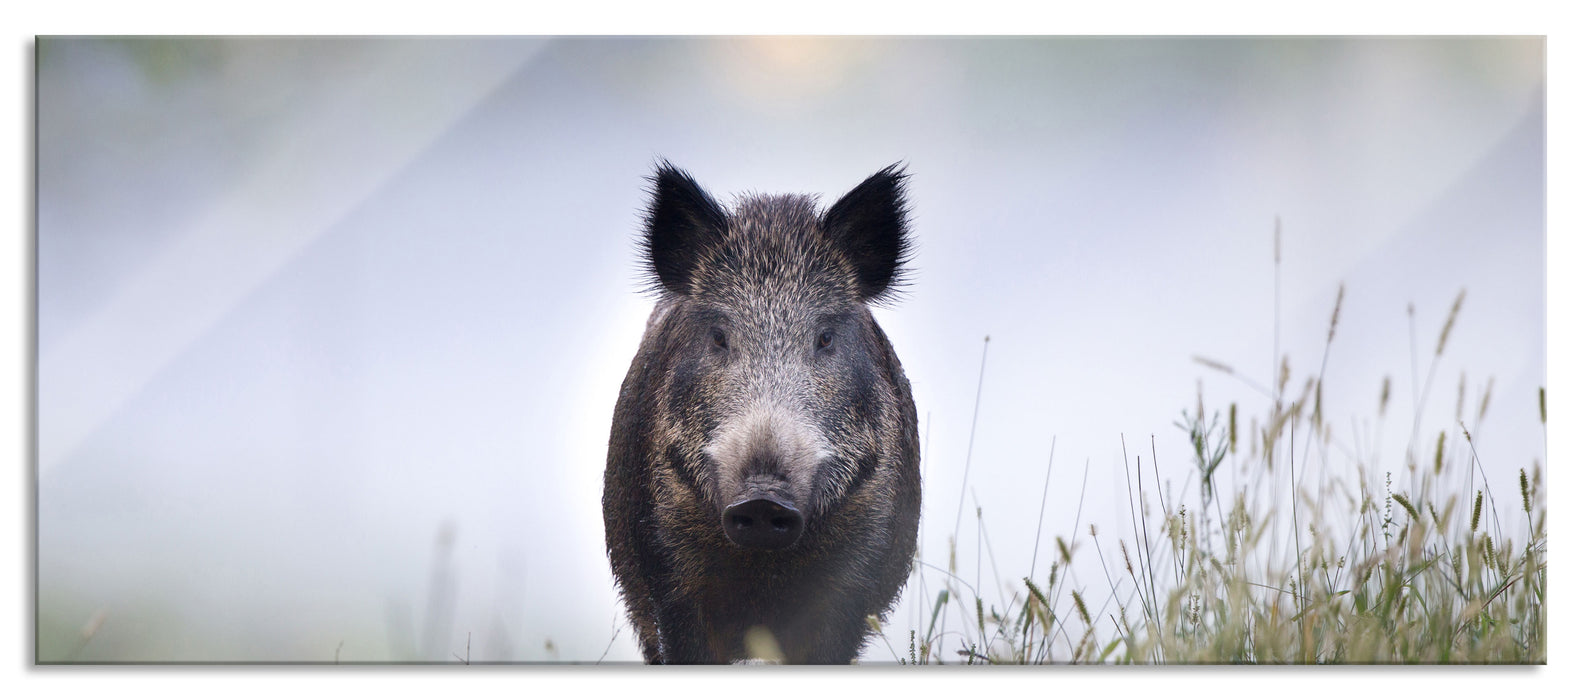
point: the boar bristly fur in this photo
(762, 479)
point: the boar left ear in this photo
(682, 221)
(869, 225)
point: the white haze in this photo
(330, 332)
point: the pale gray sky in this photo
(308, 309)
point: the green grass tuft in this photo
(1259, 570)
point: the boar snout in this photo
(762, 523)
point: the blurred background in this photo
(330, 331)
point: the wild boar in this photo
(761, 490)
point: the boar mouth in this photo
(762, 521)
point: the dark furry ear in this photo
(682, 220)
(869, 224)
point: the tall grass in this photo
(1428, 569)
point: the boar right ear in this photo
(869, 224)
(682, 220)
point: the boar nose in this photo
(762, 523)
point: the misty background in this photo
(330, 331)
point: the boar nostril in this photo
(763, 523)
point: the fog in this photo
(330, 331)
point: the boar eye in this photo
(826, 339)
(717, 336)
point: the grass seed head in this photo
(1439, 454)
(1334, 318)
(1318, 404)
(1527, 503)
(1213, 364)
(1450, 322)
(1233, 427)
(1483, 407)
(1038, 595)
(1461, 395)
(1405, 504)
